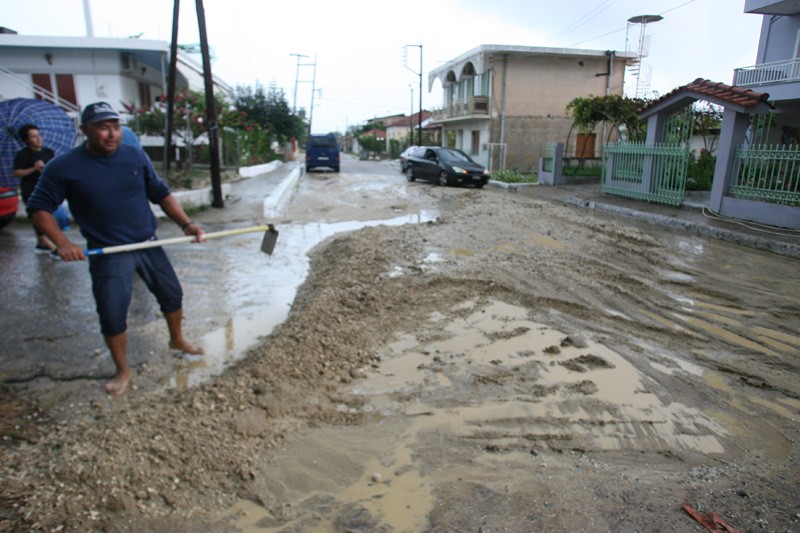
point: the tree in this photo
(616, 110)
(270, 111)
(371, 144)
(707, 123)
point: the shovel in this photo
(267, 243)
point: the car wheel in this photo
(336, 169)
(443, 181)
(410, 174)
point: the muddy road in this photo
(500, 363)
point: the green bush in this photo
(513, 176)
(700, 171)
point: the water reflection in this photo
(260, 290)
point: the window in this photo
(144, 95)
(64, 86)
(476, 142)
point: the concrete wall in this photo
(525, 137)
(778, 38)
(96, 74)
(543, 86)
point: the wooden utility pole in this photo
(211, 110)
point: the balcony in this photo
(768, 74)
(476, 106)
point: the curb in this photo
(781, 248)
(275, 203)
(192, 199)
(512, 187)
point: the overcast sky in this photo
(359, 46)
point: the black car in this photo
(404, 157)
(445, 166)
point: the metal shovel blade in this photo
(269, 240)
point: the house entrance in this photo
(655, 173)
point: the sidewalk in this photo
(693, 216)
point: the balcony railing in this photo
(474, 106)
(768, 73)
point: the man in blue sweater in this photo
(109, 186)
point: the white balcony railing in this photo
(471, 107)
(768, 73)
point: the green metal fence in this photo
(548, 157)
(652, 173)
(767, 173)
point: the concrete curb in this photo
(192, 199)
(275, 203)
(249, 172)
(781, 248)
(511, 187)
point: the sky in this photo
(362, 58)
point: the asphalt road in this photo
(233, 294)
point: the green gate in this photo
(655, 173)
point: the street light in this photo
(419, 134)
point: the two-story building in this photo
(503, 104)
(75, 71)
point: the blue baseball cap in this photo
(98, 112)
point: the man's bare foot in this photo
(118, 385)
(186, 346)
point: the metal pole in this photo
(411, 118)
(313, 89)
(87, 15)
(211, 112)
(419, 132)
(296, 75)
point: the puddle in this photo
(488, 382)
(259, 291)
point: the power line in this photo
(626, 27)
(584, 19)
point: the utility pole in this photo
(211, 111)
(419, 135)
(87, 15)
(313, 90)
(296, 75)
(411, 118)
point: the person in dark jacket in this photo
(109, 186)
(28, 165)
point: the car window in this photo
(322, 141)
(430, 155)
(455, 156)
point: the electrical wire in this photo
(626, 26)
(754, 226)
(584, 19)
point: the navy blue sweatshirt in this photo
(108, 195)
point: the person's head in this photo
(100, 123)
(29, 134)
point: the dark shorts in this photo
(112, 285)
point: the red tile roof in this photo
(730, 94)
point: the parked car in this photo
(404, 157)
(9, 202)
(445, 166)
(322, 151)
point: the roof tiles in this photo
(730, 94)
